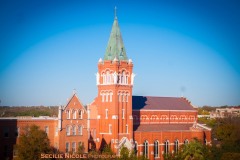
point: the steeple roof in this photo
(115, 47)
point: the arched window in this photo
(73, 147)
(74, 114)
(176, 146)
(186, 141)
(68, 114)
(79, 130)
(123, 97)
(73, 130)
(119, 96)
(107, 97)
(104, 78)
(110, 98)
(68, 130)
(102, 94)
(127, 97)
(108, 77)
(145, 149)
(156, 149)
(123, 78)
(166, 147)
(80, 114)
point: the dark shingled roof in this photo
(161, 127)
(160, 103)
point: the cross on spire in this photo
(115, 12)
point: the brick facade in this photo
(150, 125)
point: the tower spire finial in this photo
(115, 12)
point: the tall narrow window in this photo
(123, 113)
(123, 78)
(123, 97)
(68, 114)
(73, 147)
(110, 128)
(67, 146)
(107, 97)
(127, 97)
(186, 141)
(73, 130)
(74, 114)
(80, 114)
(156, 149)
(176, 146)
(145, 149)
(102, 94)
(106, 112)
(119, 97)
(166, 147)
(126, 128)
(80, 130)
(68, 130)
(46, 129)
(108, 77)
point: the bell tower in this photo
(114, 80)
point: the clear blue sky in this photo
(178, 47)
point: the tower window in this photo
(103, 97)
(123, 113)
(107, 97)
(119, 97)
(127, 97)
(126, 128)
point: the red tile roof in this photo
(161, 127)
(160, 103)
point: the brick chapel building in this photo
(149, 125)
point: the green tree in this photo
(81, 148)
(124, 153)
(193, 150)
(32, 143)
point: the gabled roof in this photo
(160, 103)
(161, 127)
(74, 96)
(115, 47)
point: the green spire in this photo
(115, 47)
